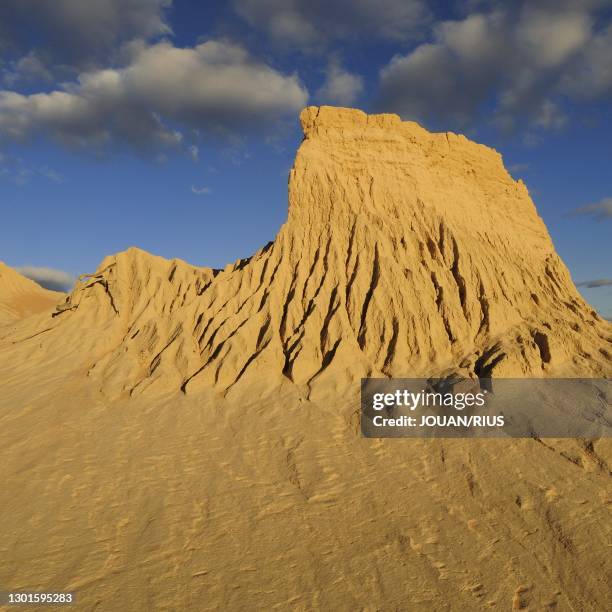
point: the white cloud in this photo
(599, 210)
(549, 38)
(520, 59)
(200, 190)
(49, 278)
(591, 77)
(340, 87)
(216, 87)
(448, 77)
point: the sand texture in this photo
(183, 438)
(21, 297)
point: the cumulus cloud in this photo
(215, 87)
(599, 210)
(520, 59)
(340, 87)
(596, 284)
(450, 77)
(550, 37)
(591, 78)
(308, 24)
(49, 278)
(78, 33)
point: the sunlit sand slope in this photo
(20, 297)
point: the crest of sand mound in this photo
(21, 297)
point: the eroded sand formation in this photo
(181, 437)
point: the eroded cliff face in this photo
(405, 253)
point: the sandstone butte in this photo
(178, 437)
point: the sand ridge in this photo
(21, 297)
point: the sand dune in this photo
(182, 438)
(21, 297)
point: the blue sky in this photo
(172, 125)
